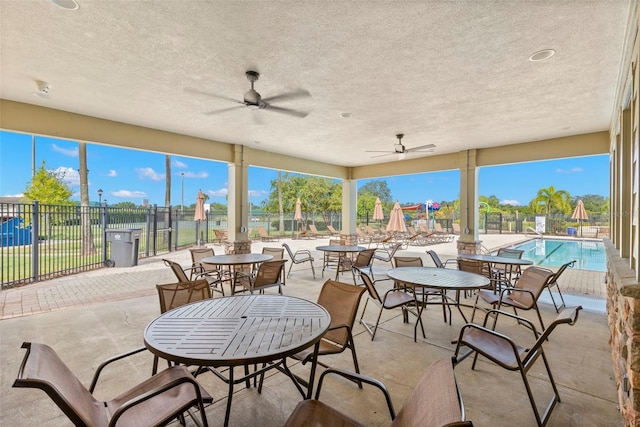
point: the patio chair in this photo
(341, 300)
(299, 257)
(155, 401)
(386, 255)
(277, 254)
(333, 231)
(174, 295)
(332, 259)
(314, 231)
(267, 276)
(425, 296)
(503, 351)
(504, 273)
(213, 274)
(264, 236)
(553, 281)
(362, 237)
(362, 263)
(397, 297)
(180, 273)
(456, 228)
(524, 295)
(221, 236)
(437, 261)
(435, 402)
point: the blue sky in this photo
(128, 175)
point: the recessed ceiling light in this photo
(43, 89)
(542, 55)
(345, 115)
(66, 4)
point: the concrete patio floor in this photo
(91, 316)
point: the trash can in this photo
(571, 231)
(124, 246)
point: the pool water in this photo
(589, 254)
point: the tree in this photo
(549, 200)
(280, 206)
(378, 188)
(87, 246)
(48, 187)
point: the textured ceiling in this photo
(452, 73)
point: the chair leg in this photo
(312, 270)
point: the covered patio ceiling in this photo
(454, 74)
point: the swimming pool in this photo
(589, 254)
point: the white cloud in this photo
(73, 152)
(511, 202)
(179, 164)
(129, 194)
(68, 175)
(572, 170)
(14, 195)
(196, 175)
(112, 172)
(218, 193)
(149, 173)
(257, 193)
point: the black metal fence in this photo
(39, 242)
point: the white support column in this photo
(238, 198)
(349, 200)
(468, 242)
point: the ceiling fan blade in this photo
(379, 151)
(381, 155)
(212, 95)
(288, 111)
(224, 110)
(420, 147)
(299, 93)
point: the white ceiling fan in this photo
(402, 151)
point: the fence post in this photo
(155, 230)
(35, 240)
(103, 226)
(148, 231)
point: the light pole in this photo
(182, 193)
(99, 196)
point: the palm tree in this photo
(549, 199)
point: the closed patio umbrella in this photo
(200, 214)
(580, 214)
(396, 220)
(378, 214)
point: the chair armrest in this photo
(476, 345)
(520, 319)
(358, 377)
(187, 379)
(94, 381)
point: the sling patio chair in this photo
(397, 297)
(437, 261)
(155, 401)
(264, 236)
(267, 276)
(341, 300)
(362, 263)
(435, 402)
(524, 295)
(333, 231)
(506, 274)
(277, 254)
(172, 295)
(503, 351)
(553, 281)
(299, 257)
(212, 273)
(386, 255)
(314, 231)
(332, 259)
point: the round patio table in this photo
(239, 331)
(342, 250)
(443, 279)
(234, 260)
(509, 263)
